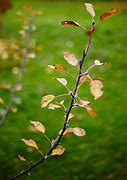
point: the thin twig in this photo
(21, 73)
(56, 143)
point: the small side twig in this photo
(21, 73)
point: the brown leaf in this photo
(79, 131)
(109, 14)
(85, 105)
(63, 81)
(39, 126)
(70, 23)
(57, 67)
(96, 88)
(30, 143)
(46, 100)
(70, 58)
(59, 150)
(21, 158)
(90, 9)
(67, 131)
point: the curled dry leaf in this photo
(30, 143)
(59, 150)
(46, 100)
(90, 9)
(85, 105)
(98, 63)
(84, 78)
(67, 131)
(70, 58)
(70, 23)
(39, 126)
(57, 67)
(21, 158)
(63, 81)
(79, 131)
(109, 14)
(96, 88)
(53, 106)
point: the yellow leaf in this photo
(98, 63)
(90, 9)
(62, 81)
(59, 150)
(39, 126)
(30, 143)
(53, 106)
(1, 101)
(70, 116)
(96, 88)
(79, 131)
(21, 158)
(46, 100)
(70, 58)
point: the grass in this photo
(102, 153)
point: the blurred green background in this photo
(102, 153)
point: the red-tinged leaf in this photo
(79, 131)
(30, 143)
(70, 23)
(67, 131)
(90, 9)
(70, 58)
(21, 158)
(59, 150)
(109, 14)
(96, 88)
(39, 126)
(46, 100)
(57, 67)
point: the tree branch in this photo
(56, 143)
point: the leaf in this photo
(109, 14)
(67, 131)
(70, 116)
(90, 111)
(1, 101)
(62, 81)
(59, 150)
(98, 63)
(83, 79)
(57, 67)
(39, 126)
(84, 103)
(79, 131)
(61, 102)
(21, 158)
(96, 88)
(70, 58)
(46, 100)
(90, 9)
(70, 23)
(53, 106)
(30, 143)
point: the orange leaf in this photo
(57, 67)
(67, 131)
(70, 23)
(109, 14)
